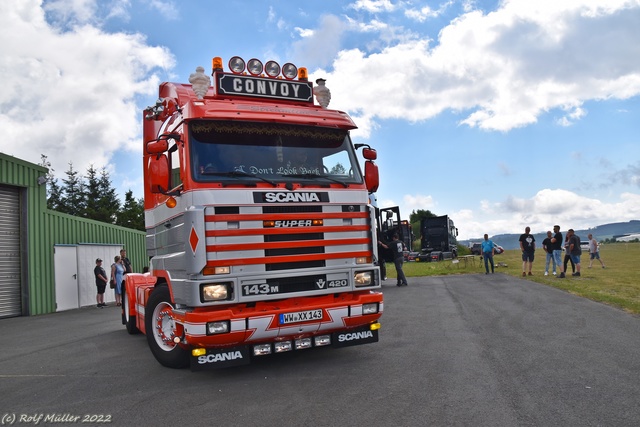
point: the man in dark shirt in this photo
(528, 248)
(101, 283)
(548, 249)
(556, 241)
(397, 247)
(574, 250)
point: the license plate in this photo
(300, 316)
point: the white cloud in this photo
(319, 47)
(167, 9)
(502, 69)
(426, 12)
(71, 92)
(373, 6)
(541, 211)
(304, 32)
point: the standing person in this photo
(397, 247)
(488, 250)
(594, 250)
(117, 273)
(383, 266)
(528, 248)
(556, 241)
(101, 283)
(567, 255)
(127, 264)
(574, 250)
(548, 249)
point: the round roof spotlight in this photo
(254, 67)
(272, 68)
(289, 71)
(236, 65)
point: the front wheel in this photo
(127, 319)
(162, 329)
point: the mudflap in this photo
(357, 336)
(221, 358)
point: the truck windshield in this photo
(271, 152)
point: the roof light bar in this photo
(255, 67)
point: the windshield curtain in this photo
(223, 150)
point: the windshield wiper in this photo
(313, 176)
(238, 174)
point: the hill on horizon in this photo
(600, 232)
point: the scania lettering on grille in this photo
(290, 197)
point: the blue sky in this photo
(502, 114)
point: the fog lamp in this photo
(261, 349)
(303, 343)
(283, 346)
(321, 340)
(215, 292)
(371, 308)
(363, 278)
(220, 327)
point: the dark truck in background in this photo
(438, 239)
(390, 223)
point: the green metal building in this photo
(46, 257)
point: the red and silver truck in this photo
(259, 231)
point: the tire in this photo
(161, 329)
(128, 320)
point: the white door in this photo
(87, 254)
(66, 277)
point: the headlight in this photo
(215, 292)
(363, 278)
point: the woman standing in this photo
(117, 273)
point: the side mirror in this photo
(371, 177)
(158, 146)
(369, 154)
(158, 174)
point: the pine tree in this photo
(132, 213)
(73, 199)
(108, 205)
(92, 193)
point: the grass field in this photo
(617, 285)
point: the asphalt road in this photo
(471, 350)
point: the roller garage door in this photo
(10, 280)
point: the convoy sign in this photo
(239, 85)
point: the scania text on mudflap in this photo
(259, 227)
